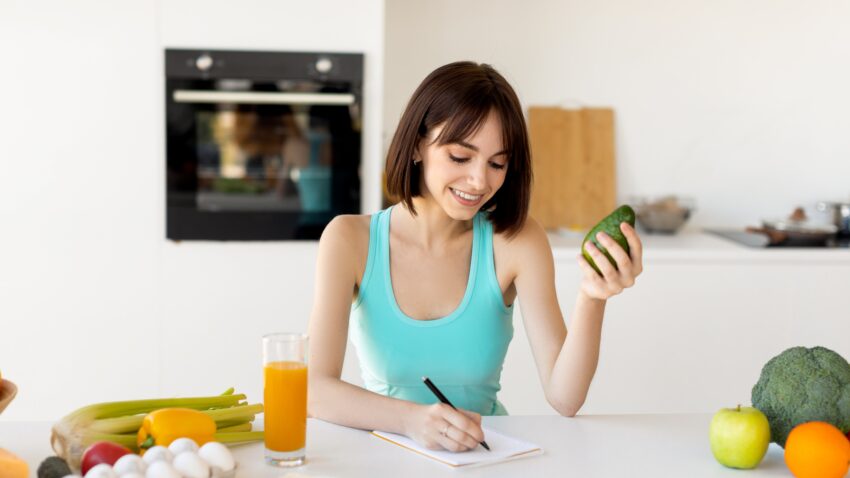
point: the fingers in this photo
(590, 273)
(602, 262)
(472, 415)
(613, 279)
(624, 263)
(456, 430)
(635, 246)
(456, 439)
(465, 424)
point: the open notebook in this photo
(502, 448)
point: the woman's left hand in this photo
(613, 280)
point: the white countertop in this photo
(586, 446)
(698, 246)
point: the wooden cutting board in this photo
(573, 159)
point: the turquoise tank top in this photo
(461, 353)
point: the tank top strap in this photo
(486, 259)
(378, 236)
(382, 237)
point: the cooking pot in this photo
(840, 212)
(797, 230)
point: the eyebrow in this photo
(475, 148)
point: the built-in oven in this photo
(261, 145)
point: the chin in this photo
(461, 213)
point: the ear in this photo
(417, 152)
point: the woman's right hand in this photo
(439, 426)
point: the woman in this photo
(434, 277)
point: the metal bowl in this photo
(665, 215)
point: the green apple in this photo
(739, 437)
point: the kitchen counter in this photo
(695, 245)
(586, 446)
(704, 308)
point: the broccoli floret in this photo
(802, 385)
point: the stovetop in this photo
(756, 240)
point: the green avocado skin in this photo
(611, 226)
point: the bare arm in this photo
(333, 400)
(566, 362)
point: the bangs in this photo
(467, 120)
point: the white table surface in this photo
(585, 446)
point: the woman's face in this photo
(462, 177)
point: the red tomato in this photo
(102, 452)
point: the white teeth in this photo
(468, 197)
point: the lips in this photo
(466, 199)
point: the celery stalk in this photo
(242, 427)
(219, 425)
(235, 413)
(100, 411)
(132, 423)
(119, 421)
(238, 437)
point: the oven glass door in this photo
(254, 160)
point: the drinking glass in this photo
(285, 398)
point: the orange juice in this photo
(285, 407)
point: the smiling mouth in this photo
(465, 196)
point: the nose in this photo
(477, 178)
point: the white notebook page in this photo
(502, 448)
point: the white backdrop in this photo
(742, 105)
(95, 304)
(721, 100)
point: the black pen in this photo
(436, 391)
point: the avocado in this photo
(610, 225)
(53, 467)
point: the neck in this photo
(431, 228)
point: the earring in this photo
(416, 162)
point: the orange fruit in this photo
(817, 450)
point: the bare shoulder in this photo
(527, 246)
(532, 236)
(347, 226)
(348, 232)
(345, 242)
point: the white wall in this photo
(95, 304)
(742, 105)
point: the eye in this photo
(457, 159)
(498, 166)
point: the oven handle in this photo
(265, 98)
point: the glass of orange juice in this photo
(285, 398)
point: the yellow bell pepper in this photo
(163, 426)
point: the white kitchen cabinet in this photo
(702, 320)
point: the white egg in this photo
(218, 455)
(132, 475)
(190, 465)
(129, 464)
(101, 471)
(157, 453)
(161, 469)
(180, 445)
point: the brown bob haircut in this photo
(461, 95)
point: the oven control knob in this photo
(204, 62)
(324, 65)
